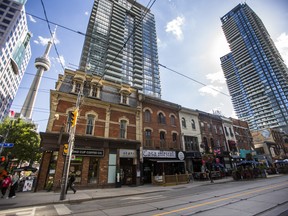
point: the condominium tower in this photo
(256, 75)
(15, 51)
(121, 45)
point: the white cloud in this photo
(216, 77)
(43, 41)
(160, 43)
(210, 90)
(175, 27)
(282, 45)
(61, 60)
(32, 19)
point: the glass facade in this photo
(121, 45)
(256, 75)
(15, 51)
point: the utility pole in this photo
(70, 149)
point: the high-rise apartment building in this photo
(121, 45)
(255, 73)
(15, 51)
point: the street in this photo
(263, 197)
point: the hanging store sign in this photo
(88, 152)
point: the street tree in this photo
(25, 138)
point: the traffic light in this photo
(2, 159)
(73, 119)
(65, 150)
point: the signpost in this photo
(6, 145)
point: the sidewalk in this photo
(25, 199)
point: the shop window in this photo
(90, 124)
(123, 126)
(147, 116)
(112, 168)
(76, 167)
(93, 170)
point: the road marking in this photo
(141, 198)
(219, 200)
(20, 211)
(62, 209)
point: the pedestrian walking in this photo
(71, 181)
(6, 183)
(14, 186)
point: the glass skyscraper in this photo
(256, 75)
(15, 51)
(121, 45)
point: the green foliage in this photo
(25, 138)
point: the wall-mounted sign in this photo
(127, 153)
(88, 152)
(159, 154)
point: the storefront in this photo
(96, 161)
(193, 161)
(158, 163)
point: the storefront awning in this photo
(167, 161)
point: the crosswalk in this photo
(59, 209)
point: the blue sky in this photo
(190, 42)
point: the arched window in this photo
(148, 137)
(193, 124)
(183, 122)
(162, 139)
(90, 124)
(172, 120)
(161, 118)
(123, 127)
(147, 116)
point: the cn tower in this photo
(42, 64)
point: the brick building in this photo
(107, 137)
(162, 150)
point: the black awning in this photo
(166, 161)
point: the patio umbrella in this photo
(26, 168)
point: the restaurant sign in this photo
(159, 154)
(88, 152)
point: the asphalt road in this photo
(261, 197)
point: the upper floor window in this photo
(172, 120)
(183, 122)
(174, 137)
(226, 131)
(162, 139)
(215, 129)
(94, 92)
(148, 137)
(77, 87)
(124, 99)
(161, 118)
(231, 133)
(147, 116)
(193, 124)
(220, 130)
(90, 124)
(123, 126)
